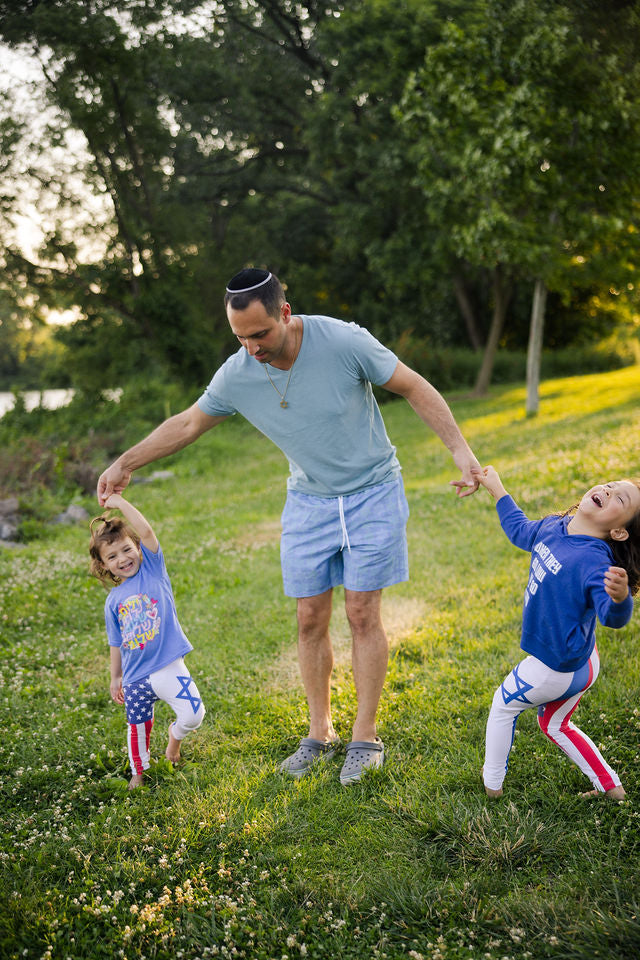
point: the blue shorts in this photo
(359, 540)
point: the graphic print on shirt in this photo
(542, 562)
(139, 620)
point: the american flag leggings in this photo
(173, 684)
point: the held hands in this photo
(468, 484)
(113, 480)
(489, 478)
(114, 501)
(616, 584)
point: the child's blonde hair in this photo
(111, 530)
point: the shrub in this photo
(48, 457)
(451, 368)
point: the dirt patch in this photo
(264, 534)
(400, 615)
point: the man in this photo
(305, 382)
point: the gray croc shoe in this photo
(309, 751)
(361, 756)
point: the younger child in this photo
(584, 564)
(146, 640)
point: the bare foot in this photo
(172, 753)
(136, 781)
(616, 793)
(490, 793)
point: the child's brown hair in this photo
(111, 530)
(626, 553)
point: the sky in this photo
(22, 86)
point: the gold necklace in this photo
(283, 402)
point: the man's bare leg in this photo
(315, 655)
(370, 654)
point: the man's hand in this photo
(114, 480)
(468, 466)
(616, 584)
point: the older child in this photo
(146, 640)
(584, 564)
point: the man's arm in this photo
(172, 435)
(432, 408)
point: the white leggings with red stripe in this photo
(173, 684)
(556, 695)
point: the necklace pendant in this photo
(283, 403)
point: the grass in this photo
(225, 858)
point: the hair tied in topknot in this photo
(100, 519)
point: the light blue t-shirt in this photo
(332, 432)
(141, 619)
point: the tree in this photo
(525, 142)
(386, 258)
(181, 139)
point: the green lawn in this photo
(226, 858)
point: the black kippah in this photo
(247, 280)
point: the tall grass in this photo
(224, 857)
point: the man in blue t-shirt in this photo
(306, 383)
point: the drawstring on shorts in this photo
(345, 535)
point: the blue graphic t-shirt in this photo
(140, 614)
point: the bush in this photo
(48, 457)
(451, 368)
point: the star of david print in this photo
(522, 687)
(185, 693)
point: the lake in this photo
(51, 399)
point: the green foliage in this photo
(511, 119)
(455, 369)
(49, 457)
(376, 154)
(222, 853)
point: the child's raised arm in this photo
(488, 477)
(135, 519)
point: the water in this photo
(51, 399)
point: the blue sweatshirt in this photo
(565, 591)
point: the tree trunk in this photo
(466, 309)
(534, 350)
(501, 295)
